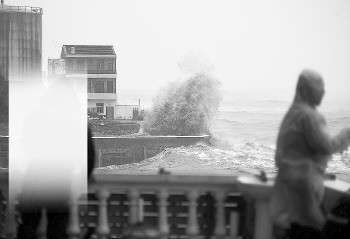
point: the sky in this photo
(256, 48)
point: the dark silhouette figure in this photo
(54, 142)
(304, 148)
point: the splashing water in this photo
(185, 109)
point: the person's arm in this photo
(319, 138)
(341, 141)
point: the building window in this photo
(99, 87)
(100, 108)
(110, 66)
(110, 87)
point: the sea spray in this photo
(185, 108)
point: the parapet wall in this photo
(124, 150)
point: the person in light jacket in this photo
(304, 147)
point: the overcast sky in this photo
(248, 45)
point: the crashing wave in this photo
(239, 157)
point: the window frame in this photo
(100, 108)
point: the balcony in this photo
(177, 205)
(102, 96)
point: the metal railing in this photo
(25, 9)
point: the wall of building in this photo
(20, 44)
(56, 67)
(126, 111)
(107, 103)
(124, 150)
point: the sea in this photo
(246, 127)
(253, 124)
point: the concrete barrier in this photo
(124, 150)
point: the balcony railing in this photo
(102, 96)
(177, 205)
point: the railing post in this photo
(134, 196)
(140, 210)
(102, 229)
(220, 230)
(261, 192)
(263, 224)
(163, 213)
(73, 228)
(192, 229)
(234, 220)
(42, 228)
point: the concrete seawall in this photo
(124, 150)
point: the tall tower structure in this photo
(20, 43)
(20, 58)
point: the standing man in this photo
(304, 148)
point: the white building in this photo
(128, 112)
(94, 66)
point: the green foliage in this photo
(185, 109)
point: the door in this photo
(110, 112)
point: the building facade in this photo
(128, 112)
(95, 67)
(20, 43)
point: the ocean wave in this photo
(203, 157)
(223, 156)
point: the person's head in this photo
(310, 87)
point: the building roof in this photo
(25, 9)
(86, 50)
